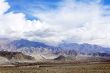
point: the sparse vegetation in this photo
(59, 68)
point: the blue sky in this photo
(106, 2)
(54, 21)
(27, 6)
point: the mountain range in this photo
(64, 51)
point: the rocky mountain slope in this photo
(41, 51)
(9, 57)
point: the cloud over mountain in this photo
(82, 21)
(15, 24)
(73, 21)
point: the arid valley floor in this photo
(58, 68)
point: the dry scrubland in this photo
(59, 68)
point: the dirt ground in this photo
(58, 68)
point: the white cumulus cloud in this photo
(80, 21)
(15, 25)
